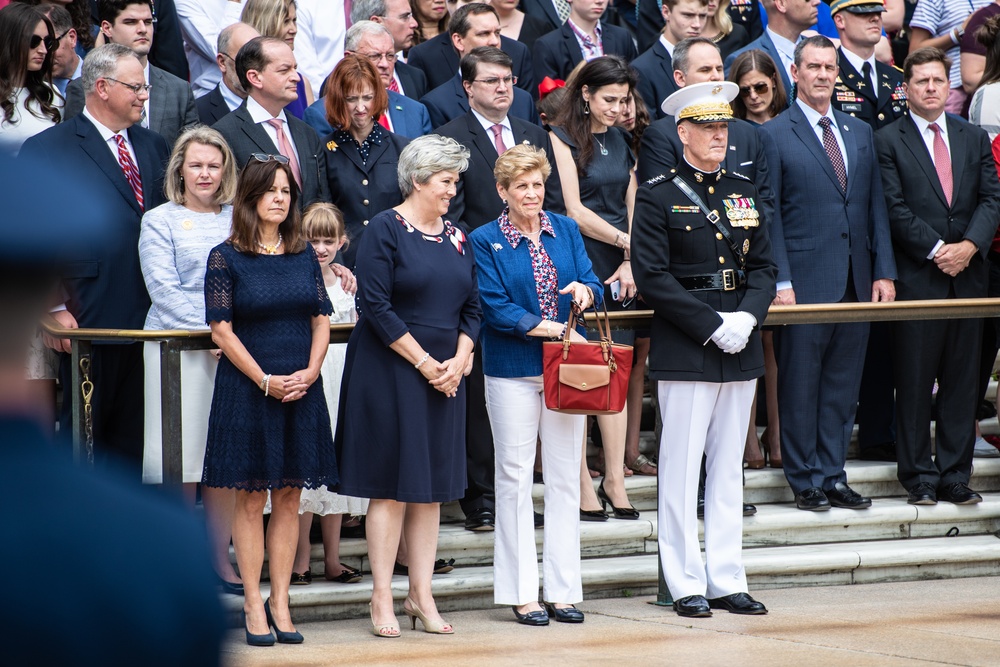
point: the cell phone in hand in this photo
(616, 288)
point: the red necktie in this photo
(393, 86)
(942, 162)
(498, 138)
(129, 169)
(285, 148)
(383, 120)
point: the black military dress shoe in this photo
(958, 493)
(813, 500)
(738, 603)
(844, 496)
(922, 494)
(693, 606)
(480, 520)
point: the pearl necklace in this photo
(271, 249)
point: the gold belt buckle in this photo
(729, 280)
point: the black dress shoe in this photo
(738, 603)
(693, 606)
(567, 615)
(539, 520)
(749, 510)
(532, 617)
(884, 452)
(593, 515)
(302, 578)
(813, 500)
(958, 493)
(230, 588)
(480, 520)
(923, 493)
(844, 496)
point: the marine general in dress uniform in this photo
(702, 260)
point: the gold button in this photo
(852, 115)
(711, 190)
(365, 202)
(365, 223)
(718, 236)
(722, 260)
(364, 182)
(723, 171)
(583, 385)
(688, 228)
(881, 116)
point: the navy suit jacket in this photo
(104, 283)
(557, 53)
(437, 59)
(449, 101)
(477, 201)
(656, 78)
(544, 10)
(212, 107)
(765, 44)
(818, 230)
(414, 81)
(409, 118)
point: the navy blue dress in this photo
(398, 437)
(256, 442)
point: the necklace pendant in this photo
(604, 151)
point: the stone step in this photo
(626, 576)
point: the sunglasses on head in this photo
(267, 157)
(38, 39)
(759, 88)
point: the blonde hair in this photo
(324, 220)
(267, 16)
(722, 18)
(173, 185)
(521, 159)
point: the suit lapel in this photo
(147, 167)
(850, 147)
(772, 51)
(959, 151)
(448, 55)
(155, 95)
(461, 97)
(100, 153)
(915, 143)
(482, 139)
(804, 131)
(255, 132)
(665, 60)
(883, 89)
(571, 46)
(300, 135)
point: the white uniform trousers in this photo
(707, 418)
(518, 416)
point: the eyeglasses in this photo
(226, 55)
(267, 157)
(38, 39)
(136, 88)
(64, 33)
(377, 57)
(508, 80)
(759, 88)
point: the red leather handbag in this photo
(586, 378)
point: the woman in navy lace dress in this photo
(269, 429)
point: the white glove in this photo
(734, 333)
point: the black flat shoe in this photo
(693, 606)
(302, 579)
(749, 510)
(480, 520)
(566, 615)
(347, 576)
(593, 515)
(738, 603)
(959, 494)
(257, 640)
(441, 566)
(282, 637)
(230, 588)
(537, 618)
(813, 500)
(629, 513)
(844, 496)
(923, 493)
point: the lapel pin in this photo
(497, 247)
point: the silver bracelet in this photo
(427, 355)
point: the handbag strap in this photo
(603, 331)
(714, 218)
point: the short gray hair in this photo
(59, 15)
(427, 155)
(362, 28)
(682, 52)
(817, 41)
(364, 10)
(102, 63)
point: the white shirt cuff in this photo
(784, 284)
(60, 307)
(937, 246)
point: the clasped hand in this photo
(734, 332)
(953, 258)
(446, 376)
(287, 388)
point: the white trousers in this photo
(702, 418)
(518, 417)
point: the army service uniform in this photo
(855, 97)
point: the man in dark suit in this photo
(398, 19)
(438, 57)
(873, 92)
(549, 11)
(229, 94)
(709, 279)
(170, 107)
(943, 197)
(266, 69)
(831, 242)
(123, 164)
(684, 19)
(582, 37)
(486, 129)
(650, 20)
(786, 20)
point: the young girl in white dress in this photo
(324, 227)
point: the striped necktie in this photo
(130, 170)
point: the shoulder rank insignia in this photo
(738, 175)
(656, 179)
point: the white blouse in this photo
(25, 123)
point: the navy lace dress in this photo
(398, 437)
(256, 442)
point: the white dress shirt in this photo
(109, 135)
(667, 45)
(858, 63)
(260, 115)
(927, 134)
(506, 133)
(233, 101)
(201, 22)
(786, 50)
(319, 44)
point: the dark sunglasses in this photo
(759, 88)
(38, 39)
(267, 157)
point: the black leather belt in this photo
(725, 281)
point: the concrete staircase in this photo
(783, 546)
